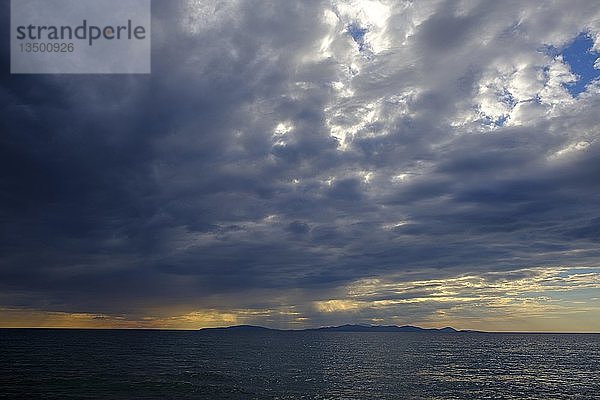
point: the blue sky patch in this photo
(581, 60)
(358, 34)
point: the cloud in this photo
(276, 156)
(513, 300)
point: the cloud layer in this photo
(285, 164)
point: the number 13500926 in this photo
(34, 47)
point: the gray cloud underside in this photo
(119, 193)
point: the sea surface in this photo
(88, 364)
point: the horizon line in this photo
(74, 328)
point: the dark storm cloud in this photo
(98, 171)
(123, 193)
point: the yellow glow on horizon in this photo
(557, 299)
(28, 318)
(534, 299)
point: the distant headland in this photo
(341, 328)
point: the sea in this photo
(138, 364)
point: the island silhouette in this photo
(340, 328)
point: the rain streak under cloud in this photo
(323, 162)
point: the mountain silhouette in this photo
(341, 328)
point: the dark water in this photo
(54, 364)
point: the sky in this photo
(313, 163)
